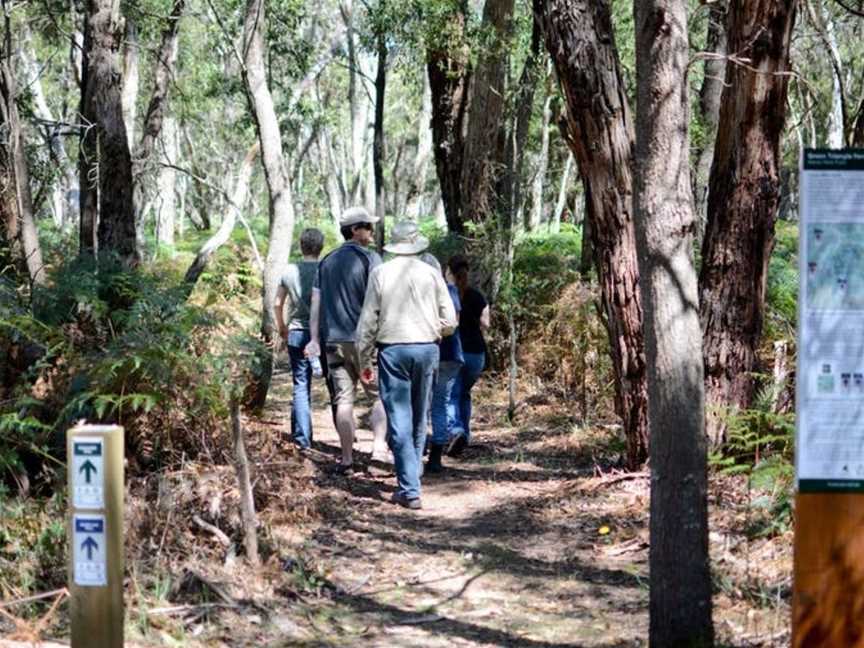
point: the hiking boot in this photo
(413, 504)
(457, 445)
(433, 466)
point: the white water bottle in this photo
(317, 370)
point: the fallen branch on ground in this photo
(609, 479)
(218, 533)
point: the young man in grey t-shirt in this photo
(295, 290)
(337, 299)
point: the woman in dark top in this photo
(473, 321)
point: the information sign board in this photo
(830, 378)
(88, 472)
(88, 539)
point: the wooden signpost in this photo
(828, 590)
(95, 477)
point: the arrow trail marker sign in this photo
(88, 541)
(88, 472)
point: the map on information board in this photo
(835, 266)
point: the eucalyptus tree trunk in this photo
(483, 155)
(16, 204)
(330, 171)
(561, 203)
(236, 202)
(824, 26)
(31, 76)
(130, 81)
(417, 181)
(743, 201)
(680, 585)
(709, 105)
(157, 111)
(105, 165)
(539, 183)
(448, 67)
(202, 201)
(358, 103)
(379, 146)
(510, 188)
(858, 130)
(166, 210)
(599, 131)
(281, 207)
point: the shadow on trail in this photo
(448, 626)
(490, 551)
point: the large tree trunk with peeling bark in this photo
(743, 201)
(484, 156)
(599, 131)
(680, 587)
(105, 164)
(278, 187)
(449, 76)
(17, 225)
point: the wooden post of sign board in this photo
(828, 592)
(96, 535)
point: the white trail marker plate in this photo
(88, 545)
(88, 472)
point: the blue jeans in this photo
(405, 375)
(445, 421)
(461, 399)
(301, 376)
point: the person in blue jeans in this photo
(474, 320)
(445, 422)
(295, 292)
(406, 312)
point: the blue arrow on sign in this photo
(89, 545)
(88, 469)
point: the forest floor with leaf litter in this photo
(534, 538)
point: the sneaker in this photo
(413, 504)
(457, 445)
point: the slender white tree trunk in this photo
(31, 75)
(166, 216)
(422, 156)
(130, 82)
(561, 203)
(278, 184)
(836, 123)
(239, 197)
(537, 203)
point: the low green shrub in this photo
(117, 346)
(760, 442)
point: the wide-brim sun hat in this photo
(406, 239)
(356, 215)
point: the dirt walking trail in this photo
(531, 539)
(504, 553)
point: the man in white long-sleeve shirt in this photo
(406, 311)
